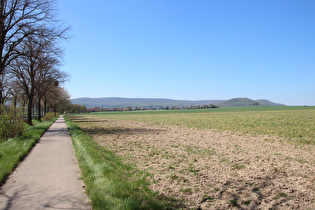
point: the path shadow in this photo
(24, 197)
(60, 132)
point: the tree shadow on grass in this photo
(118, 130)
(82, 119)
(123, 131)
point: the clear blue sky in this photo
(191, 49)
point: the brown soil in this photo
(214, 170)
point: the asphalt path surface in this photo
(48, 178)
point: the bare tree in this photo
(15, 92)
(59, 99)
(35, 68)
(4, 88)
(50, 76)
(20, 19)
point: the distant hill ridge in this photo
(115, 102)
(248, 102)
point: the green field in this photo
(295, 124)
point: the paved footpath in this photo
(48, 178)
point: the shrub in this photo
(48, 116)
(11, 122)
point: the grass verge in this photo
(110, 183)
(15, 149)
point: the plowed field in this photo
(211, 169)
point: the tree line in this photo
(129, 108)
(30, 57)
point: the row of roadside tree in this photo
(30, 58)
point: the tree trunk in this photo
(15, 101)
(1, 90)
(29, 109)
(45, 105)
(39, 110)
(1, 101)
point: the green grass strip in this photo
(15, 149)
(294, 124)
(110, 183)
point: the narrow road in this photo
(48, 178)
